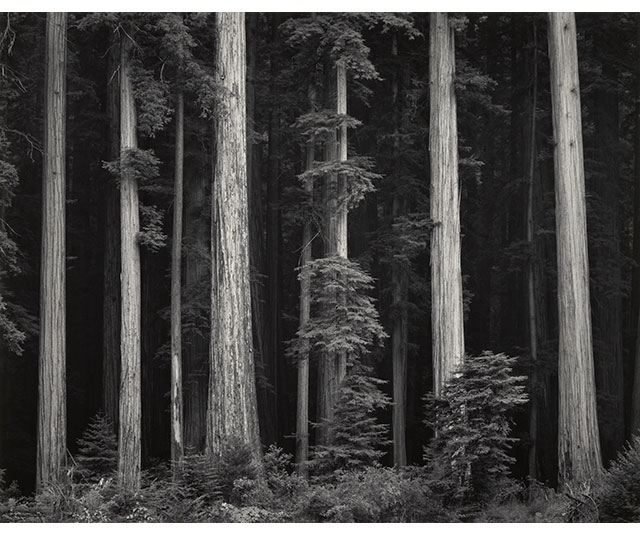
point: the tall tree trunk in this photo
(399, 283)
(232, 411)
(446, 276)
(578, 443)
(129, 439)
(111, 279)
(52, 403)
(634, 425)
(608, 328)
(197, 280)
(302, 402)
(532, 281)
(177, 447)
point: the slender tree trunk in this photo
(302, 407)
(578, 443)
(197, 280)
(446, 276)
(129, 439)
(533, 312)
(52, 406)
(634, 424)
(341, 220)
(111, 280)
(177, 447)
(400, 332)
(232, 409)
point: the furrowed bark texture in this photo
(232, 395)
(129, 439)
(111, 285)
(341, 223)
(52, 410)
(578, 443)
(177, 446)
(446, 276)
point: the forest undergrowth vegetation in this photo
(466, 475)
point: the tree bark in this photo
(302, 405)
(129, 439)
(232, 411)
(52, 407)
(177, 447)
(634, 424)
(399, 284)
(111, 280)
(446, 276)
(578, 443)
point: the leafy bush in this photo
(617, 494)
(472, 417)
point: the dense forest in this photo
(319, 267)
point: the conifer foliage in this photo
(97, 450)
(472, 418)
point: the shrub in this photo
(357, 437)
(472, 417)
(98, 450)
(235, 461)
(617, 494)
(373, 495)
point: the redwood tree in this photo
(232, 409)
(446, 275)
(578, 443)
(52, 403)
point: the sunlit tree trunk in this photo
(232, 409)
(129, 439)
(446, 276)
(578, 443)
(52, 403)
(177, 446)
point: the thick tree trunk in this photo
(232, 411)
(578, 443)
(177, 447)
(129, 439)
(111, 280)
(446, 276)
(52, 403)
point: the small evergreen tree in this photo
(351, 327)
(472, 419)
(97, 450)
